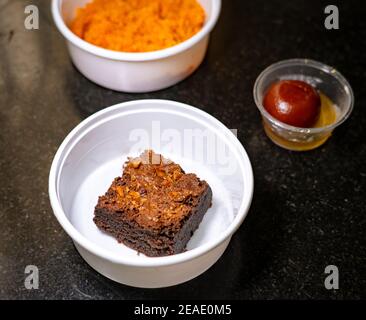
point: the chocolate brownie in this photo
(155, 206)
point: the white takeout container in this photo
(92, 155)
(135, 72)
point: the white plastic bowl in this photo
(92, 155)
(135, 72)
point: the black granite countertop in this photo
(308, 210)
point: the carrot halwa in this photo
(138, 25)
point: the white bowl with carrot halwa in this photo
(136, 45)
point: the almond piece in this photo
(176, 175)
(119, 190)
(135, 163)
(134, 195)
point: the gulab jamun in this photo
(293, 102)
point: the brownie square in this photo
(155, 206)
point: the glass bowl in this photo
(327, 80)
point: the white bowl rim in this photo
(134, 56)
(246, 171)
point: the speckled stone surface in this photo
(308, 211)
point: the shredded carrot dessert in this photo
(138, 25)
